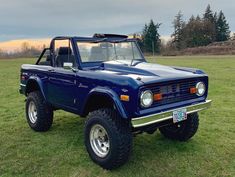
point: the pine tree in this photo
(200, 31)
(198, 18)
(215, 17)
(208, 15)
(222, 28)
(194, 32)
(144, 33)
(151, 37)
(210, 24)
(178, 31)
(145, 30)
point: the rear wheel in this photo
(39, 115)
(182, 131)
(108, 138)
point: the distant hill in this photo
(216, 48)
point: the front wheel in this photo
(108, 138)
(182, 131)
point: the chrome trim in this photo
(166, 115)
(203, 90)
(23, 85)
(141, 98)
(99, 140)
(32, 112)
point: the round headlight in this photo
(146, 98)
(201, 88)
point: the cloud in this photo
(47, 18)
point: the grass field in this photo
(61, 152)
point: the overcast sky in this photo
(47, 18)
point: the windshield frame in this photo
(111, 40)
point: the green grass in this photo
(61, 152)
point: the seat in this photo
(65, 55)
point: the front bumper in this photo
(22, 88)
(167, 115)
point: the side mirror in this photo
(69, 66)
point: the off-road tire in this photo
(120, 137)
(182, 131)
(44, 116)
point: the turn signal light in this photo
(157, 97)
(193, 90)
(124, 97)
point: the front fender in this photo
(112, 95)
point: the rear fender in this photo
(32, 82)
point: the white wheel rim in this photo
(99, 140)
(32, 112)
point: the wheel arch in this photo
(103, 97)
(34, 84)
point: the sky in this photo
(25, 19)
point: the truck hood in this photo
(148, 72)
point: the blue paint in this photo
(70, 91)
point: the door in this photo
(62, 87)
(61, 79)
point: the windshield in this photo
(107, 51)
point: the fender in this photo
(39, 83)
(112, 95)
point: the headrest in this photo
(65, 51)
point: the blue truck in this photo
(106, 79)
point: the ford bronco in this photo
(107, 79)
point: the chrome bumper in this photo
(162, 116)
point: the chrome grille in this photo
(173, 92)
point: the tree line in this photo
(197, 31)
(26, 50)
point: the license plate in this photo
(179, 115)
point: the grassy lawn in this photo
(61, 152)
